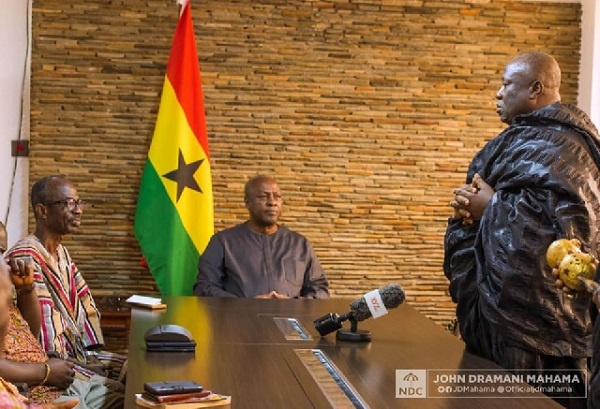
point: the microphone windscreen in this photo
(392, 296)
(359, 309)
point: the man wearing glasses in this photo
(260, 258)
(70, 327)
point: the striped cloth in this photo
(70, 325)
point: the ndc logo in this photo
(411, 383)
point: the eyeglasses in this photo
(71, 203)
(264, 198)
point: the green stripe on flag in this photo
(173, 258)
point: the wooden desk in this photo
(242, 352)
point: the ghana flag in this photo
(174, 216)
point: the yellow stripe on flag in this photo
(172, 135)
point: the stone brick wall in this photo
(368, 113)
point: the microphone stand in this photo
(355, 334)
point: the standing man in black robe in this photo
(537, 181)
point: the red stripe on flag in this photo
(183, 72)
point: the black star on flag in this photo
(184, 175)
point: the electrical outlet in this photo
(20, 147)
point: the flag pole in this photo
(180, 5)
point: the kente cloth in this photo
(544, 169)
(10, 398)
(239, 262)
(21, 346)
(92, 390)
(70, 319)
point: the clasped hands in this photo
(273, 294)
(470, 200)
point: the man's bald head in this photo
(530, 81)
(542, 67)
(254, 183)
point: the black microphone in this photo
(392, 295)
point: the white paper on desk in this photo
(143, 300)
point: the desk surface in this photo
(243, 353)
